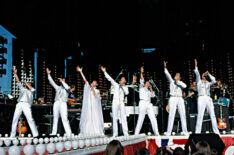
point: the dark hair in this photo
(161, 151)
(142, 151)
(179, 151)
(203, 147)
(199, 153)
(120, 77)
(114, 148)
(214, 151)
(94, 80)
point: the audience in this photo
(161, 151)
(214, 151)
(114, 148)
(179, 151)
(142, 151)
(203, 147)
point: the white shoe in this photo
(167, 134)
(186, 133)
(12, 137)
(52, 134)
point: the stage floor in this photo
(130, 146)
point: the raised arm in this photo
(168, 75)
(198, 77)
(212, 78)
(17, 78)
(142, 77)
(15, 73)
(51, 81)
(81, 72)
(108, 77)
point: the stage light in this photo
(28, 149)
(68, 145)
(40, 149)
(81, 143)
(59, 146)
(2, 151)
(14, 150)
(7, 142)
(87, 142)
(46, 140)
(56, 139)
(148, 50)
(41, 140)
(29, 141)
(75, 144)
(50, 147)
(22, 142)
(15, 142)
(35, 141)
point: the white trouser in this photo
(116, 107)
(60, 108)
(26, 109)
(175, 102)
(203, 103)
(146, 107)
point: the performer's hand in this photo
(195, 62)
(103, 69)
(79, 69)
(48, 71)
(14, 70)
(165, 64)
(142, 69)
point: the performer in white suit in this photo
(120, 90)
(175, 100)
(25, 101)
(91, 121)
(145, 105)
(60, 104)
(204, 99)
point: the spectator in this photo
(203, 147)
(214, 151)
(114, 148)
(179, 151)
(142, 151)
(161, 151)
(199, 153)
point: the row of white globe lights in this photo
(223, 132)
(59, 143)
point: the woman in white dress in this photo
(91, 121)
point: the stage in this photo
(96, 145)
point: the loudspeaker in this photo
(213, 140)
